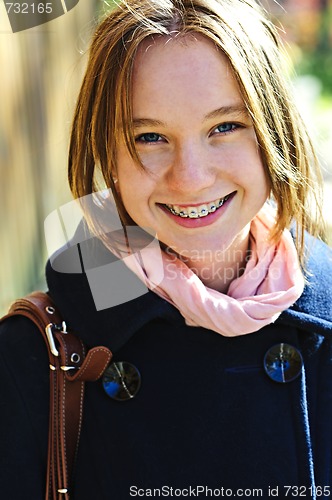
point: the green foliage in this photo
(319, 64)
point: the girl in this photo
(185, 118)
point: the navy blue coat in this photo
(207, 416)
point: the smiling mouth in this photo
(197, 211)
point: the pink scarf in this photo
(272, 281)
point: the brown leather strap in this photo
(70, 367)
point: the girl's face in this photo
(204, 179)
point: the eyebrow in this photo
(235, 109)
(146, 122)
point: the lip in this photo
(201, 221)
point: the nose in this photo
(191, 169)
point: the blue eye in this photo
(149, 137)
(223, 128)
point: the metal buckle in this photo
(53, 349)
(50, 338)
(67, 368)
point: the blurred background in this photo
(41, 71)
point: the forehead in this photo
(185, 48)
(188, 70)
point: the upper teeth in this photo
(198, 211)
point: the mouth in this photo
(197, 211)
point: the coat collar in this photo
(313, 310)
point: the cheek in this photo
(129, 175)
(245, 165)
(135, 188)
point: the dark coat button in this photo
(283, 363)
(121, 380)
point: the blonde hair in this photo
(251, 43)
